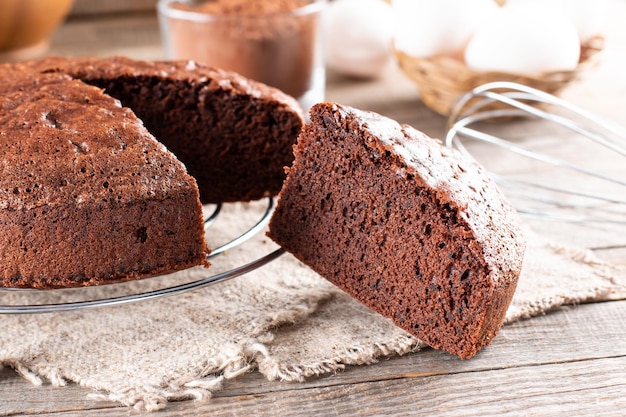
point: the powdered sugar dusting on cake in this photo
(191, 66)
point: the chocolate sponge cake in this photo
(234, 135)
(87, 195)
(403, 224)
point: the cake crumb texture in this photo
(402, 224)
(87, 195)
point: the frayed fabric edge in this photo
(149, 397)
(39, 376)
(154, 398)
(273, 370)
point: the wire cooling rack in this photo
(161, 292)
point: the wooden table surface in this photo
(569, 362)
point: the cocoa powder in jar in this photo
(272, 41)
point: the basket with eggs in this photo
(449, 47)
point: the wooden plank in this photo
(558, 346)
(594, 387)
(22, 398)
(614, 255)
(586, 387)
(136, 36)
(99, 7)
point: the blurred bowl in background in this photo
(26, 26)
(278, 43)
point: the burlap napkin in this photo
(281, 320)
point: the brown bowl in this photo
(27, 25)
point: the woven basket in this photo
(442, 79)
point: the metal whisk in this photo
(538, 174)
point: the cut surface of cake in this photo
(403, 224)
(233, 134)
(87, 195)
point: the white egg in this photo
(424, 28)
(588, 16)
(524, 39)
(358, 37)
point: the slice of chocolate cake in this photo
(87, 195)
(403, 224)
(233, 134)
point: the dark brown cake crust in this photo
(234, 135)
(87, 195)
(403, 225)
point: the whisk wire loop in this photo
(508, 101)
